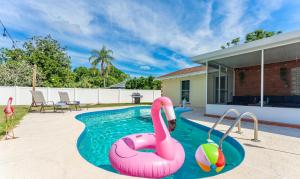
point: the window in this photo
(295, 81)
(185, 90)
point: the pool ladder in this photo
(236, 112)
(237, 123)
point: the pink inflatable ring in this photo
(168, 158)
(126, 158)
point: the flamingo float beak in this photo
(172, 125)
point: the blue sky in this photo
(148, 37)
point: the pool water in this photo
(103, 128)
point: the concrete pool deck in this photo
(46, 148)
(276, 156)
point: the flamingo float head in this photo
(170, 114)
(167, 106)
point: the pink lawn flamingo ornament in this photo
(9, 113)
(169, 156)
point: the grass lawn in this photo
(21, 111)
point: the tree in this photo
(131, 84)
(143, 83)
(89, 77)
(84, 72)
(260, 34)
(156, 85)
(9, 54)
(252, 36)
(117, 73)
(235, 41)
(54, 66)
(115, 76)
(51, 60)
(17, 73)
(104, 58)
(85, 82)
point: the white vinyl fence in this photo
(22, 95)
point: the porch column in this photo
(262, 79)
(206, 82)
(233, 82)
(226, 86)
(219, 82)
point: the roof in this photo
(119, 85)
(184, 72)
(267, 43)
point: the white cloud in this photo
(79, 58)
(233, 12)
(155, 26)
(266, 8)
(241, 17)
(138, 72)
(133, 29)
(5, 42)
(50, 15)
(181, 62)
(145, 67)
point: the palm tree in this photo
(104, 58)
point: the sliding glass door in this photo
(219, 84)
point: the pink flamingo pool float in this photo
(169, 154)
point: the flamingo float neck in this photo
(9, 102)
(164, 141)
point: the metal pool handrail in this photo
(221, 119)
(249, 114)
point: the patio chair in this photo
(64, 97)
(39, 100)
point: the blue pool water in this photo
(103, 128)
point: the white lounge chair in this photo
(64, 97)
(39, 100)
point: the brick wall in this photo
(273, 84)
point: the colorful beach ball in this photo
(210, 156)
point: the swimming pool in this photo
(103, 128)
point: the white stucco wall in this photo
(274, 114)
(22, 95)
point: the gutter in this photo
(181, 76)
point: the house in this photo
(262, 77)
(188, 84)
